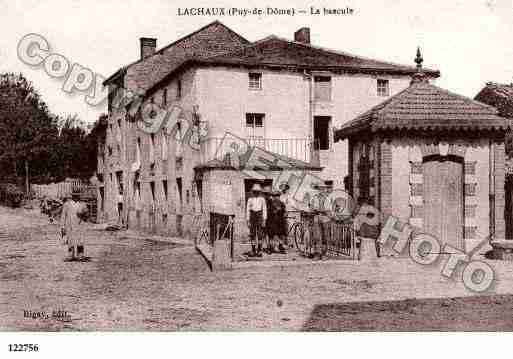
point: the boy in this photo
(256, 216)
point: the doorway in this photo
(443, 199)
(322, 132)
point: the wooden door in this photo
(443, 199)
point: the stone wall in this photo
(222, 98)
(400, 181)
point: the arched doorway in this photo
(443, 198)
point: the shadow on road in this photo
(477, 313)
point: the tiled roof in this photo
(216, 44)
(499, 96)
(424, 106)
(283, 163)
(212, 39)
(274, 51)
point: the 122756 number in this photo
(23, 347)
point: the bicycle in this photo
(311, 235)
(301, 234)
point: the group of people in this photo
(266, 215)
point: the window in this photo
(255, 81)
(152, 189)
(138, 152)
(137, 187)
(255, 125)
(102, 196)
(109, 149)
(164, 98)
(164, 146)
(383, 89)
(119, 179)
(199, 190)
(178, 147)
(322, 132)
(152, 152)
(164, 187)
(179, 89)
(179, 190)
(111, 96)
(364, 177)
(322, 88)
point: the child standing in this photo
(256, 216)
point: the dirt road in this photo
(137, 283)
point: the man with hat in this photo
(256, 216)
(72, 211)
(322, 219)
(277, 222)
(266, 191)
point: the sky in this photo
(470, 42)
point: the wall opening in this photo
(179, 190)
(443, 197)
(322, 132)
(164, 188)
(322, 88)
(102, 198)
(152, 188)
(199, 190)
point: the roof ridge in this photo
(161, 50)
(233, 51)
(246, 46)
(343, 53)
(215, 22)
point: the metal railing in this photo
(296, 148)
(341, 239)
(326, 237)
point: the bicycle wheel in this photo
(301, 238)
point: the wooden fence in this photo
(58, 190)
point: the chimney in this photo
(302, 35)
(148, 46)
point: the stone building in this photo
(500, 96)
(285, 97)
(433, 159)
